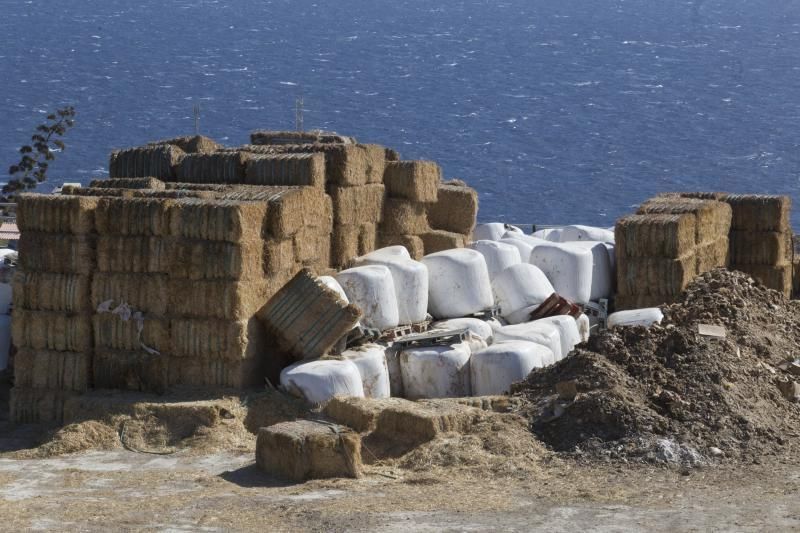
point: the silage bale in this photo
(142, 292)
(412, 243)
(56, 213)
(215, 338)
(52, 252)
(655, 275)
(712, 218)
(417, 181)
(402, 217)
(48, 291)
(776, 277)
(218, 220)
(147, 161)
(358, 205)
(197, 259)
(217, 167)
(655, 235)
(438, 240)
(129, 183)
(455, 210)
(135, 254)
(44, 369)
(52, 330)
(191, 144)
(114, 332)
(133, 216)
(33, 406)
(760, 247)
(286, 169)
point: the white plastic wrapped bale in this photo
(494, 369)
(395, 372)
(436, 371)
(493, 231)
(584, 327)
(498, 255)
(410, 283)
(371, 288)
(521, 315)
(391, 251)
(319, 381)
(331, 283)
(567, 331)
(371, 362)
(579, 271)
(635, 317)
(520, 286)
(549, 234)
(458, 283)
(586, 233)
(539, 332)
(475, 325)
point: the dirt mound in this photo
(668, 394)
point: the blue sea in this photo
(556, 111)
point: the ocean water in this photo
(557, 112)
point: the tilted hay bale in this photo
(217, 167)
(286, 169)
(33, 406)
(52, 330)
(133, 216)
(776, 277)
(712, 255)
(52, 252)
(655, 235)
(56, 213)
(237, 374)
(135, 254)
(43, 369)
(376, 162)
(412, 243)
(713, 219)
(624, 302)
(760, 247)
(130, 370)
(96, 192)
(367, 238)
(267, 137)
(230, 300)
(438, 240)
(216, 339)
(114, 332)
(191, 144)
(195, 259)
(47, 291)
(357, 205)
(655, 275)
(455, 210)
(417, 181)
(278, 255)
(146, 161)
(306, 449)
(289, 208)
(344, 244)
(403, 217)
(142, 292)
(757, 212)
(218, 220)
(129, 183)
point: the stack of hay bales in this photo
(452, 217)
(52, 324)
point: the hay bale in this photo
(113, 332)
(172, 194)
(669, 236)
(376, 162)
(147, 161)
(96, 192)
(438, 240)
(218, 220)
(134, 254)
(412, 243)
(133, 216)
(367, 238)
(130, 370)
(278, 255)
(712, 218)
(195, 259)
(310, 244)
(215, 338)
(45, 291)
(142, 292)
(239, 374)
(357, 205)
(34, 406)
(346, 165)
(776, 277)
(757, 212)
(344, 244)
(418, 422)
(392, 155)
(286, 169)
(655, 275)
(56, 213)
(403, 217)
(623, 302)
(712, 255)
(217, 167)
(52, 330)
(760, 247)
(289, 208)
(191, 144)
(44, 369)
(456, 209)
(361, 414)
(417, 181)
(229, 300)
(129, 183)
(306, 449)
(207, 187)
(269, 137)
(52, 252)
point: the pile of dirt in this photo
(668, 394)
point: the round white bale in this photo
(371, 288)
(586, 233)
(371, 362)
(397, 250)
(493, 231)
(520, 286)
(410, 280)
(635, 317)
(584, 327)
(579, 271)
(494, 369)
(567, 331)
(458, 283)
(436, 371)
(331, 283)
(319, 381)
(539, 332)
(475, 325)
(395, 373)
(498, 255)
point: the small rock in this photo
(714, 451)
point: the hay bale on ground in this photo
(412, 243)
(712, 255)
(33, 406)
(456, 209)
(43, 369)
(135, 254)
(218, 220)
(56, 213)
(114, 332)
(195, 259)
(357, 205)
(289, 208)
(217, 167)
(135, 370)
(438, 240)
(268, 137)
(215, 338)
(238, 374)
(654, 235)
(142, 292)
(45, 291)
(418, 422)
(129, 183)
(417, 181)
(52, 252)
(712, 218)
(361, 414)
(133, 216)
(760, 247)
(402, 217)
(229, 300)
(146, 161)
(286, 169)
(191, 144)
(52, 330)
(306, 449)
(776, 277)
(655, 275)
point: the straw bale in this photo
(96, 192)
(757, 212)
(718, 196)
(289, 208)
(230, 300)
(238, 374)
(392, 155)
(133, 216)
(418, 422)
(760, 247)
(146, 161)
(412, 243)
(376, 162)
(218, 220)
(367, 238)
(403, 217)
(264, 149)
(46, 291)
(278, 255)
(776, 277)
(208, 187)
(56, 213)
(142, 292)
(130, 370)
(52, 330)
(344, 244)
(173, 194)
(624, 302)
(195, 259)
(655, 235)
(133, 254)
(33, 406)
(438, 240)
(417, 181)
(712, 255)
(357, 205)
(712, 218)
(43, 369)
(191, 144)
(129, 183)
(361, 414)
(309, 244)
(346, 165)
(307, 317)
(269, 137)
(649, 275)
(217, 167)
(52, 252)
(455, 210)
(286, 169)
(113, 332)
(306, 449)
(215, 338)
